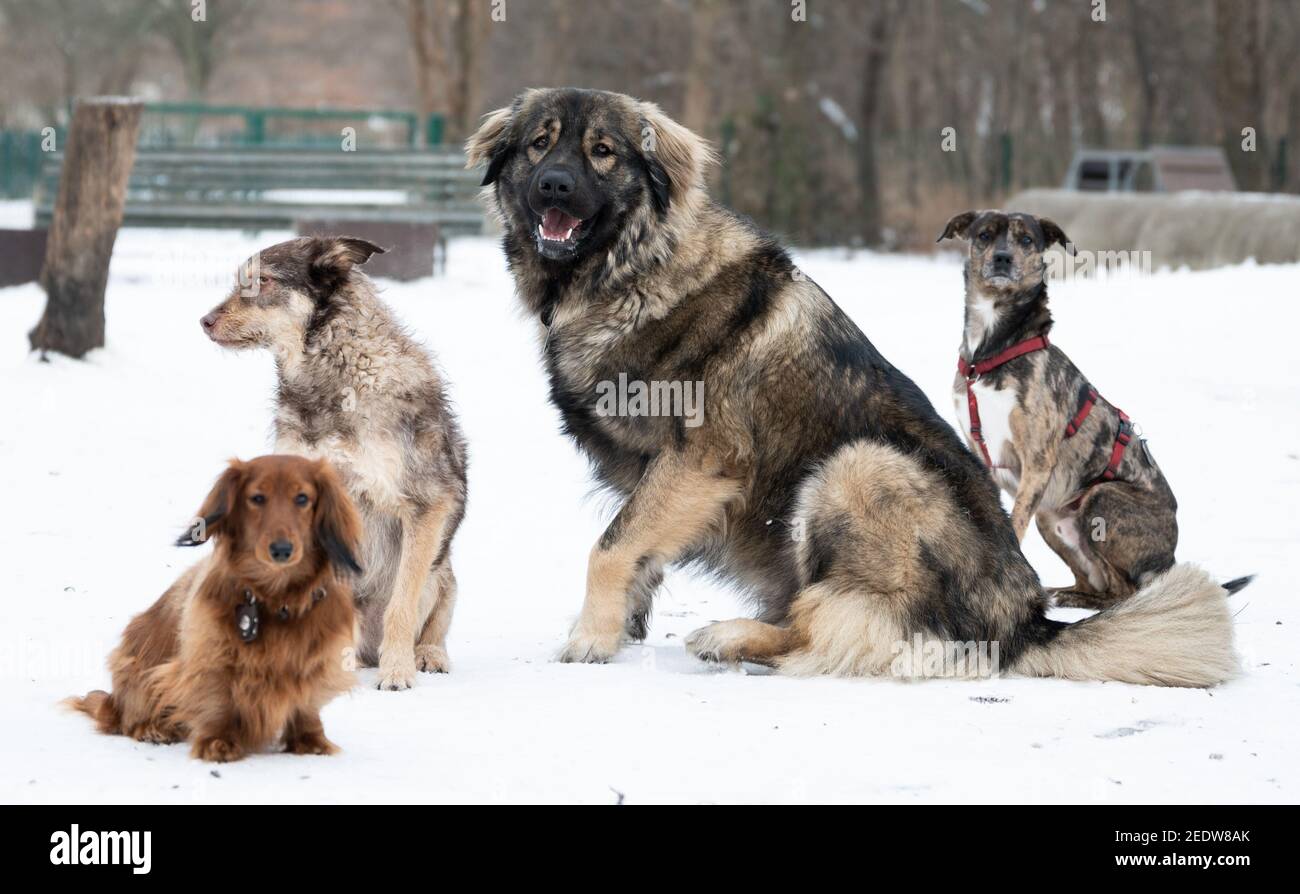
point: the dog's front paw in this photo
(310, 743)
(216, 749)
(589, 649)
(157, 733)
(396, 675)
(432, 659)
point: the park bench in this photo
(416, 198)
(265, 188)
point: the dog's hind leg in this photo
(676, 503)
(1063, 532)
(743, 639)
(431, 648)
(1135, 532)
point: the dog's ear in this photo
(337, 526)
(491, 143)
(218, 509)
(1052, 233)
(335, 256)
(676, 157)
(958, 226)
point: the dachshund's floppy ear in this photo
(337, 526)
(958, 226)
(491, 143)
(675, 156)
(1052, 233)
(218, 509)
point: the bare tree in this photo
(881, 19)
(446, 40)
(701, 71)
(98, 45)
(92, 197)
(201, 43)
(1239, 63)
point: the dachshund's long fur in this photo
(286, 535)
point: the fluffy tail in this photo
(98, 705)
(1237, 583)
(1176, 631)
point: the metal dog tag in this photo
(1146, 449)
(247, 621)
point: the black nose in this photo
(1002, 258)
(281, 550)
(555, 183)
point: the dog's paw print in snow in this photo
(1119, 733)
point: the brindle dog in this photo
(1071, 459)
(818, 477)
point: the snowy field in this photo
(104, 461)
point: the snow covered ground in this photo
(103, 461)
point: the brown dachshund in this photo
(248, 645)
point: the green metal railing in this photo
(281, 126)
(171, 124)
(20, 162)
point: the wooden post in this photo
(92, 197)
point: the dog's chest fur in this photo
(595, 356)
(996, 404)
(997, 394)
(361, 446)
(372, 471)
(350, 398)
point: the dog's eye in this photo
(301, 499)
(985, 237)
(257, 499)
(1026, 241)
(264, 280)
(600, 150)
(541, 142)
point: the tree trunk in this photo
(1240, 89)
(429, 58)
(1087, 86)
(1143, 33)
(869, 100)
(472, 20)
(698, 101)
(92, 197)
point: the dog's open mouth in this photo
(558, 230)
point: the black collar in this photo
(248, 615)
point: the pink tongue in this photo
(555, 223)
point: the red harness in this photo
(1087, 400)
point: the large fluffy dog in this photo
(818, 477)
(246, 648)
(354, 388)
